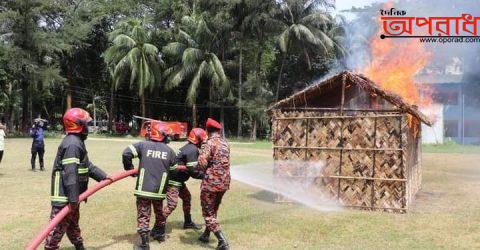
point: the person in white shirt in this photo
(2, 140)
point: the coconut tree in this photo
(253, 21)
(134, 58)
(193, 60)
(305, 25)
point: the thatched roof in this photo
(359, 80)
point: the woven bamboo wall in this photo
(369, 155)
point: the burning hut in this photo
(368, 138)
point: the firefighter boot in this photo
(158, 233)
(144, 245)
(189, 224)
(205, 237)
(79, 246)
(222, 241)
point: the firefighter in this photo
(38, 145)
(176, 188)
(157, 160)
(214, 160)
(70, 174)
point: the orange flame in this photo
(394, 64)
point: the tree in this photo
(32, 54)
(305, 25)
(258, 96)
(193, 60)
(134, 57)
(253, 19)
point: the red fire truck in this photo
(180, 129)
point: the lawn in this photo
(446, 213)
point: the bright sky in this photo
(347, 4)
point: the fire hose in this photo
(64, 212)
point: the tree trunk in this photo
(111, 108)
(280, 76)
(307, 57)
(194, 115)
(240, 68)
(95, 129)
(69, 87)
(253, 135)
(142, 104)
(25, 102)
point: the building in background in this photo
(460, 117)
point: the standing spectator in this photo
(2, 140)
(38, 145)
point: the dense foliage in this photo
(169, 59)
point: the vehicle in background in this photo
(120, 127)
(180, 129)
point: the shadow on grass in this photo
(130, 238)
(178, 225)
(191, 238)
(265, 196)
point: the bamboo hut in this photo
(368, 139)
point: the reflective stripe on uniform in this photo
(70, 161)
(175, 183)
(83, 170)
(134, 150)
(150, 194)
(59, 198)
(140, 180)
(162, 184)
(158, 195)
(56, 190)
(174, 167)
(57, 184)
(192, 163)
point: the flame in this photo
(393, 66)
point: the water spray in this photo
(293, 180)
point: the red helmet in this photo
(197, 136)
(76, 120)
(159, 131)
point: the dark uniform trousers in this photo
(37, 148)
(68, 225)
(173, 193)
(144, 210)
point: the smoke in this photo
(451, 76)
(361, 27)
(298, 183)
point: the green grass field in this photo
(445, 215)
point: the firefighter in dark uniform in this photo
(70, 175)
(157, 160)
(214, 159)
(38, 145)
(176, 188)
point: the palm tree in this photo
(132, 56)
(253, 19)
(193, 60)
(306, 25)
